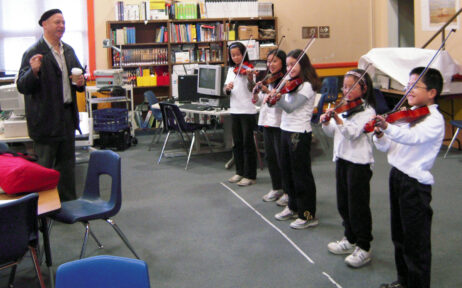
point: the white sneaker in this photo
(246, 182)
(285, 214)
(358, 258)
(304, 223)
(236, 178)
(272, 195)
(341, 247)
(283, 201)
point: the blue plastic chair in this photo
(19, 233)
(103, 271)
(329, 94)
(3, 147)
(458, 124)
(174, 121)
(151, 98)
(90, 206)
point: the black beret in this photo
(48, 14)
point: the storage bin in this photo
(110, 120)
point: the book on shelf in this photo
(125, 35)
(141, 56)
(196, 32)
(119, 10)
(228, 9)
(161, 35)
(131, 12)
(200, 52)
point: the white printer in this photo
(110, 77)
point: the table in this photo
(48, 202)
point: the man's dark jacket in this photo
(43, 96)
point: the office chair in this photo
(174, 122)
(329, 94)
(19, 233)
(151, 98)
(90, 206)
(458, 124)
(103, 271)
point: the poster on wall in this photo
(435, 13)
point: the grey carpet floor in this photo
(196, 230)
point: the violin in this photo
(242, 69)
(269, 79)
(349, 107)
(402, 116)
(288, 87)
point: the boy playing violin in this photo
(412, 149)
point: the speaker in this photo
(187, 89)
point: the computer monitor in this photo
(187, 89)
(209, 80)
(11, 100)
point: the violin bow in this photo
(286, 77)
(401, 101)
(243, 58)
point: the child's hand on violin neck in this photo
(230, 86)
(380, 122)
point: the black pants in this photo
(411, 217)
(245, 154)
(272, 138)
(353, 198)
(297, 177)
(60, 155)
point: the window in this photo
(19, 28)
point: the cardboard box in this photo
(15, 128)
(244, 32)
(264, 50)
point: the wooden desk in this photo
(48, 201)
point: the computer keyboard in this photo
(192, 106)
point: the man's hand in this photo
(35, 63)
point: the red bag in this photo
(18, 175)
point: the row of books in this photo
(161, 34)
(141, 56)
(145, 10)
(201, 53)
(199, 32)
(183, 11)
(193, 9)
(229, 8)
(125, 35)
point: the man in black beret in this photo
(50, 100)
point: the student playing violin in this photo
(243, 116)
(353, 157)
(297, 105)
(412, 149)
(270, 120)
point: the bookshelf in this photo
(157, 45)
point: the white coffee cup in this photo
(76, 72)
